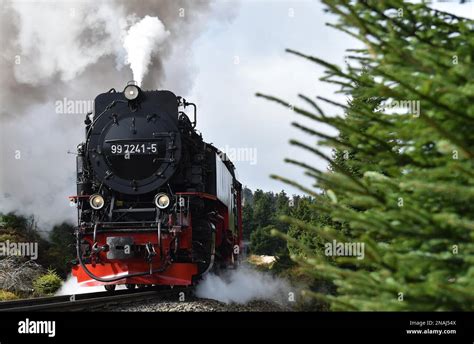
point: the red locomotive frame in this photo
(173, 273)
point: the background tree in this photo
(262, 216)
(62, 249)
(247, 213)
(262, 242)
(263, 209)
(55, 249)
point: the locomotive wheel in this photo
(109, 287)
(130, 286)
(203, 245)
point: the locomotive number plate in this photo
(134, 148)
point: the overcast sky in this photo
(229, 113)
(238, 58)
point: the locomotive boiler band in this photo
(156, 203)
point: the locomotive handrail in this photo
(134, 210)
(184, 103)
(195, 112)
(135, 140)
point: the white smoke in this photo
(71, 287)
(141, 42)
(52, 50)
(242, 286)
(233, 286)
(63, 39)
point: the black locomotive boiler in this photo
(156, 204)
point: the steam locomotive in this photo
(156, 204)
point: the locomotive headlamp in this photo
(96, 201)
(162, 201)
(131, 92)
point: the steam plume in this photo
(243, 285)
(141, 41)
(72, 287)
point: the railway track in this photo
(90, 301)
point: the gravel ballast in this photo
(194, 304)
